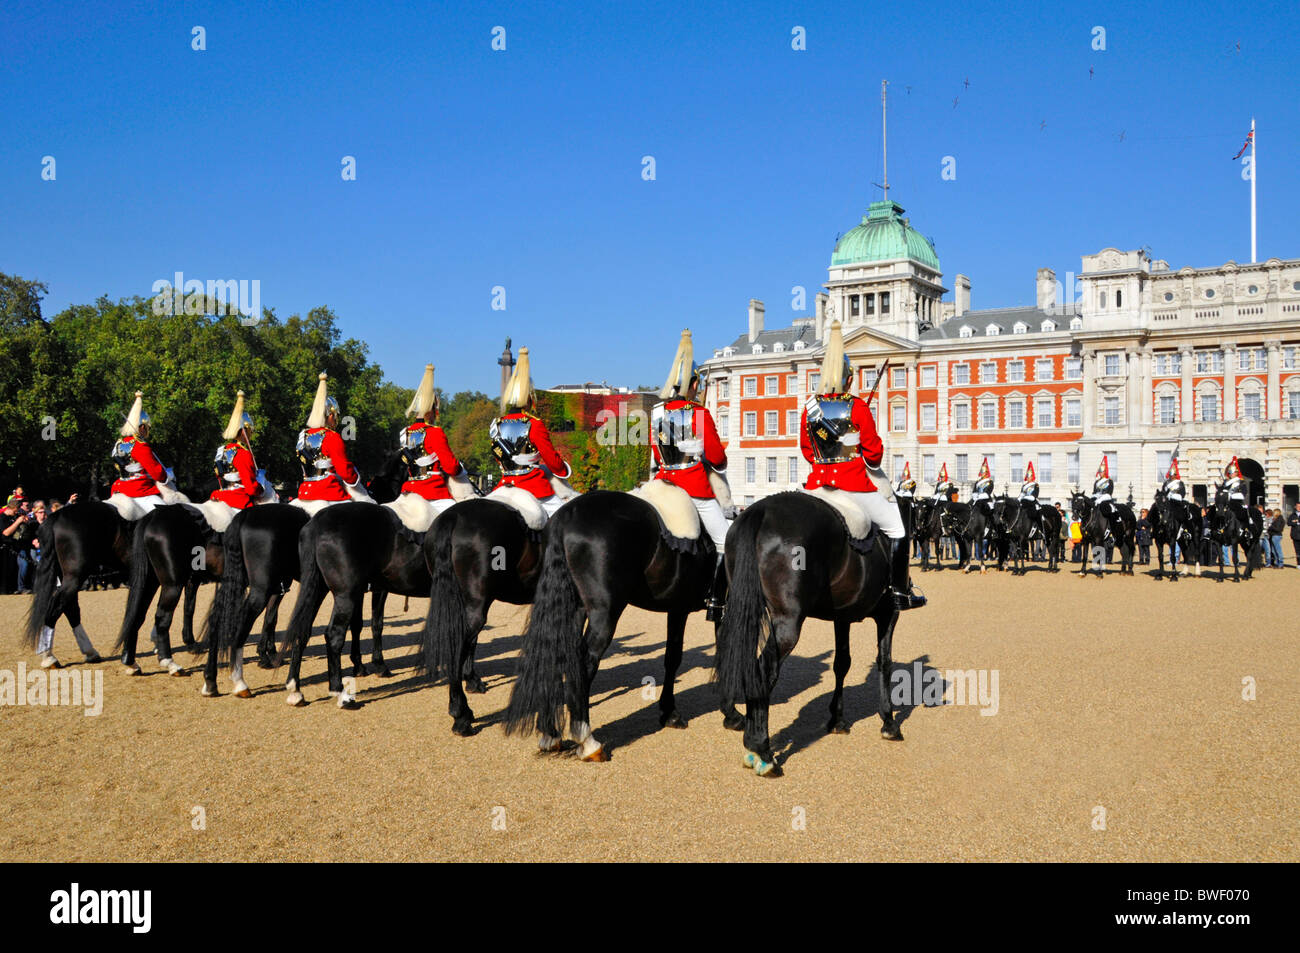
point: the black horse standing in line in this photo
(604, 551)
(1177, 525)
(839, 579)
(1228, 529)
(1015, 523)
(1119, 531)
(977, 525)
(175, 550)
(77, 542)
(478, 552)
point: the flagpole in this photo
(1254, 174)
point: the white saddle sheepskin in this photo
(845, 502)
(674, 507)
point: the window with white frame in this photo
(1112, 464)
(1020, 328)
(771, 469)
(751, 469)
(791, 383)
(1293, 404)
(884, 302)
(1168, 408)
(992, 331)
(1288, 358)
(1251, 406)
(791, 421)
(1043, 369)
(1044, 468)
(1016, 414)
(770, 386)
(1016, 372)
(1017, 468)
(751, 386)
(927, 468)
(961, 373)
(961, 416)
(1072, 467)
(898, 417)
(1074, 368)
(967, 331)
(814, 381)
(751, 423)
(993, 464)
(1243, 360)
(1261, 359)
(724, 389)
(961, 468)
(1073, 412)
(929, 375)
(1110, 412)
(868, 378)
(929, 418)
(724, 424)
(1076, 324)
(899, 460)
(1164, 458)
(1044, 413)
(1209, 407)
(988, 414)
(899, 378)
(988, 372)
(1111, 365)
(1209, 362)
(794, 470)
(1047, 326)
(771, 418)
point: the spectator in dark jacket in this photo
(1273, 528)
(1144, 539)
(1293, 520)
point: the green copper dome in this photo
(884, 235)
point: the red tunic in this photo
(851, 475)
(331, 486)
(535, 481)
(694, 479)
(243, 494)
(434, 486)
(145, 483)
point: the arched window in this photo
(1101, 300)
(1119, 299)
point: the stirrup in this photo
(911, 599)
(713, 610)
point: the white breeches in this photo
(715, 524)
(1175, 496)
(883, 512)
(439, 506)
(551, 504)
(1100, 497)
(147, 503)
(1239, 497)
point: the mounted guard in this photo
(523, 448)
(327, 474)
(435, 478)
(688, 453)
(1029, 500)
(143, 482)
(906, 487)
(837, 435)
(240, 483)
(945, 489)
(1173, 487)
(1235, 486)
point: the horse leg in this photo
(601, 621)
(65, 603)
(261, 600)
(347, 613)
(128, 647)
(462, 716)
(162, 624)
(476, 618)
(885, 620)
(837, 725)
(783, 635)
(187, 617)
(668, 717)
(378, 598)
(732, 719)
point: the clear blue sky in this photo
(522, 168)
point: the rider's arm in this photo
(247, 472)
(332, 446)
(805, 442)
(714, 452)
(541, 439)
(872, 449)
(143, 454)
(435, 442)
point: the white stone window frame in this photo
(980, 403)
(895, 406)
(1050, 398)
(1069, 363)
(1290, 385)
(1015, 398)
(750, 418)
(1012, 365)
(1255, 386)
(1066, 398)
(930, 371)
(772, 381)
(934, 418)
(1119, 410)
(1038, 366)
(771, 423)
(1118, 358)
(1048, 325)
(992, 331)
(1020, 328)
(966, 366)
(1209, 388)
(1076, 324)
(952, 413)
(966, 331)
(989, 380)
(749, 387)
(1167, 389)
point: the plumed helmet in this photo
(684, 371)
(519, 390)
(240, 419)
(425, 401)
(837, 371)
(137, 421)
(324, 406)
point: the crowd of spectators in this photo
(20, 546)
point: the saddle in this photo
(130, 510)
(358, 493)
(414, 512)
(522, 501)
(673, 504)
(844, 502)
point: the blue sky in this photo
(523, 168)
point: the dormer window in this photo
(799, 345)
(1076, 324)
(728, 351)
(1048, 326)
(967, 331)
(758, 349)
(992, 331)
(778, 347)
(1020, 328)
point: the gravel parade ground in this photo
(1112, 727)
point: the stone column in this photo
(1132, 418)
(1146, 392)
(1186, 399)
(1273, 405)
(913, 424)
(1229, 409)
(1089, 390)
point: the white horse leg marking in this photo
(580, 732)
(45, 641)
(548, 743)
(295, 697)
(239, 686)
(83, 641)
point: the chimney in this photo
(755, 319)
(961, 296)
(819, 323)
(1046, 297)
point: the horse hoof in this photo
(49, 661)
(209, 690)
(475, 686)
(736, 723)
(891, 733)
(174, 670)
(764, 769)
(265, 663)
(599, 756)
(348, 702)
(546, 745)
(93, 657)
(241, 691)
(383, 671)
(132, 669)
(296, 700)
(671, 720)
(463, 727)
(837, 728)
(359, 670)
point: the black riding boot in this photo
(900, 587)
(717, 599)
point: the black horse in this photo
(1100, 531)
(175, 550)
(838, 579)
(604, 551)
(1228, 529)
(977, 526)
(77, 542)
(926, 530)
(1015, 522)
(1174, 524)
(478, 552)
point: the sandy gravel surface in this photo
(1121, 694)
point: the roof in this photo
(884, 235)
(1004, 318)
(769, 339)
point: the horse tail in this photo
(47, 579)
(223, 618)
(311, 593)
(137, 603)
(445, 627)
(553, 639)
(740, 670)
